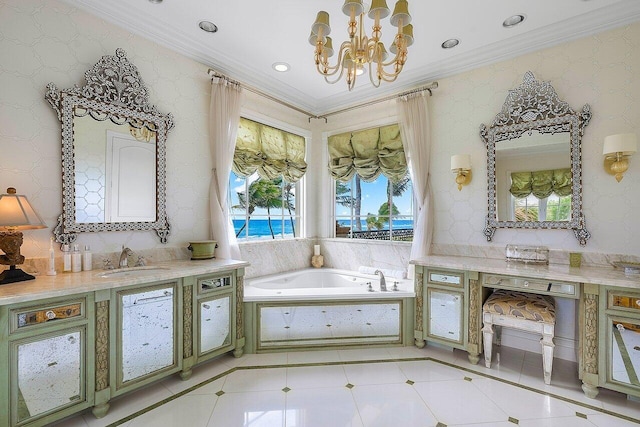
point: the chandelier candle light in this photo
(361, 51)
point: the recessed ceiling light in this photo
(208, 26)
(513, 21)
(281, 67)
(448, 44)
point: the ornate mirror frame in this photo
(532, 106)
(114, 91)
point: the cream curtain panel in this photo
(224, 115)
(368, 153)
(413, 111)
(269, 151)
(541, 183)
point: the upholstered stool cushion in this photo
(539, 308)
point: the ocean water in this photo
(259, 228)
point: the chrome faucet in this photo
(383, 282)
(124, 260)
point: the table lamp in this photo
(16, 214)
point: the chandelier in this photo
(362, 52)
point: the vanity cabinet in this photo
(620, 343)
(47, 360)
(78, 351)
(442, 306)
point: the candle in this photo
(316, 250)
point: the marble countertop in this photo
(90, 281)
(595, 275)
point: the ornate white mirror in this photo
(534, 169)
(113, 153)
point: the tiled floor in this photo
(398, 387)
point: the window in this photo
(267, 167)
(541, 195)
(373, 192)
(374, 210)
(551, 208)
(263, 209)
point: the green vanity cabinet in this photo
(67, 354)
(47, 360)
(442, 306)
(619, 329)
(214, 316)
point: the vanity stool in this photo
(524, 311)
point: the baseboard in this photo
(566, 348)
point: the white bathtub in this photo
(324, 284)
(326, 308)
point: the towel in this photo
(396, 274)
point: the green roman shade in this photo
(269, 151)
(541, 183)
(368, 153)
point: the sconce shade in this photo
(16, 213)
(460, 161)
(624, 143)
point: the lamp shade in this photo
(625, 143)
(16, 213)
(321, 26)
(357, 6)
(328, 47)
(401, 13)
(380, 7)
(460, 161)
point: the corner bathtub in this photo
(326, 308)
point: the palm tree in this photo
(373, 221)
(262, 194)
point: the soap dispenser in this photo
(76, 259)
(66, 258)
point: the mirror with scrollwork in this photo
(534, 169)
(113, 153)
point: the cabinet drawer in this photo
(214, 283)
(32, 316)
(628, 301)
(524, 284)
(448, 278)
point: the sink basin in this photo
(131, 272)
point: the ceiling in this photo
(254, 34)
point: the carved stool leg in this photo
(547, 351)
(487, 337)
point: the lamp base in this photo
(13, 275)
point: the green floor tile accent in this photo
(514, 420)
(410, 382)
(468, 379)
(220, 393)
(349, 386)
(581, 415)
(441, 424)
(286, 389)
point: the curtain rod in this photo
(433, 85)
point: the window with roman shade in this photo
(368, 153)
(268, 151)
(541, 183)
(373, 192)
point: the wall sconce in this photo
(461, 166)
(16, 214)
(617, 150)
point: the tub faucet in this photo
(124, 260)
(383, 282)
